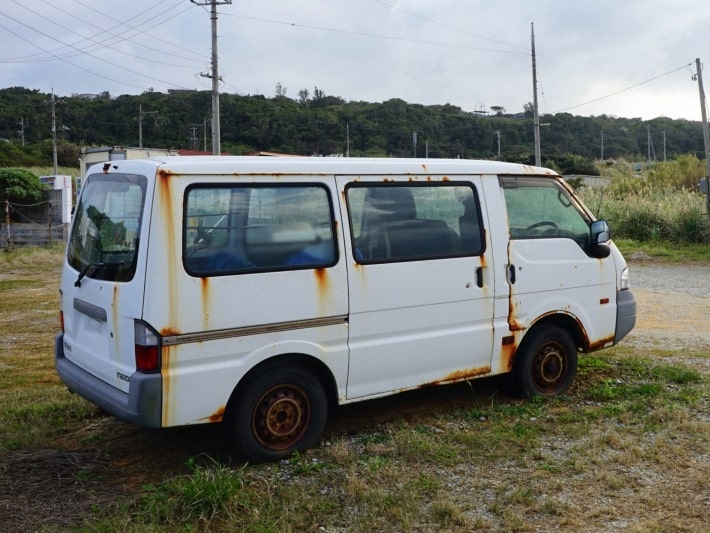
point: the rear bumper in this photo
(625, 314)
(141, 406)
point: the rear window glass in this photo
(105, 232)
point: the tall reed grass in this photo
(661, 204)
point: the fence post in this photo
(49, 221)
(7, 223)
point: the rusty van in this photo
(259, 291)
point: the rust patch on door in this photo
(507, 352)
(459, 375)
(217, 416)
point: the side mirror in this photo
(599, 231)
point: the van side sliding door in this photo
(420, 288)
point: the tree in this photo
(280, 90)
(303, 95)
(20, 186)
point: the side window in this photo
(407, 223)
(540, 208)
(230, 230)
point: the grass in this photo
(623, 450)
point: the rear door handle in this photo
(479, 277)
(511, 274)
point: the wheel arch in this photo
(567, 322)
(315, 366)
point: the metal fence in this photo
(33, 225)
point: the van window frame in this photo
(365, 258)
(246, 266)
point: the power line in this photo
(96, 43)
(448, 26)
(86, 53)
(374, 35)
(626, 89)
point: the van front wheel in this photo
(282, 410)
(546, 364)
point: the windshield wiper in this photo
(90, 267)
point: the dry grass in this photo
(627, 449)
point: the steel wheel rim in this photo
(281, 417)
(550, 367)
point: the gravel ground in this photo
(673, 304)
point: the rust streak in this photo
(507, 352)
(218, 415)
(459, 375)
(598, 345)
(206, 305)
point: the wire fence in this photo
(32, 224)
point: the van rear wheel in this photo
(546, 363)
(281, 410)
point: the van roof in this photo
(255, 165)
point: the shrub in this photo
(20, 186)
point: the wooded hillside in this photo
(322, 125)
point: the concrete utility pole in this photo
(497, 134)
(21, 131)
(142, 114)
(536, 116)
(54, 134)
(216, 148)
(601, 157)
(704, 115)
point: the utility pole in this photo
(54, 134)
(21, 131)
(536, 116)
(347, 139)
(704, 114)
(497, 134)
(216, 149)
(601, 158)
(664, 146)
(414, 143)
(141, 114)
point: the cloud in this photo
(471, 54)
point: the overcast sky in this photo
(624, 58)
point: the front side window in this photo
(105, 234)
(540, 208)
(392, 222)
(241, 229)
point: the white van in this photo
(259, 291)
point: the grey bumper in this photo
(141, 406)
(625, 314)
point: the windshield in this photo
(104, 239)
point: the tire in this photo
(280, 410)
(546, 363)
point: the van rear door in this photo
(103, 277)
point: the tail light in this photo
(147, 348)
